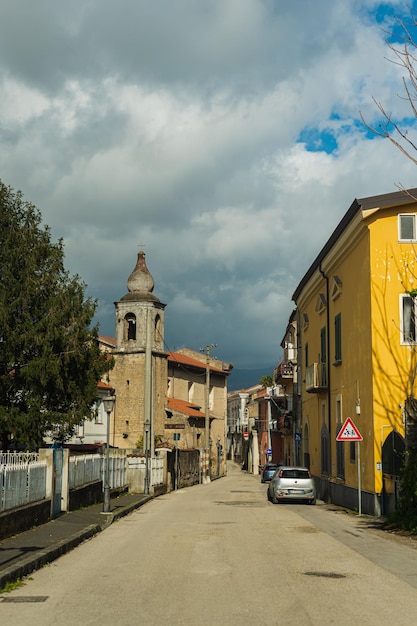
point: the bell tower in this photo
(140, 373)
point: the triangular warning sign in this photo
(349, 432)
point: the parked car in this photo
(268, 471)
(292, 483)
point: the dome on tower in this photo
(140, 283)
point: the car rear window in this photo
(271, 468)
(295, 473)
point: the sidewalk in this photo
(29, 551)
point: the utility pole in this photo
(148, 417)
(206, 470)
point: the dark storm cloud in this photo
(177, 124)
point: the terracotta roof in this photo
(104, 386)
(192, 410)
(184, 359)
(262, 393)
(109, 340)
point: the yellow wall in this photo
(352, 379)
(374, 269)
(393, 271)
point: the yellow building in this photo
(357, 351)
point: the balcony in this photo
(283, 370)
(282, 424)
(316, 378)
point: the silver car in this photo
(292, 483)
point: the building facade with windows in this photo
(357, 346)
(197, 405)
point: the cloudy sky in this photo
(224, 135)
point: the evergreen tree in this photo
(50, 360)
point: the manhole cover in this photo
(25, 599)
(325, 574)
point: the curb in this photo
(39, 559)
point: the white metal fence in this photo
(21, 483)
(117, 468)
(83, 469)
(157, 471)
(11, 458)
(88, 468)
(23, 478)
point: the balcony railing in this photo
(283, 370)
(316, 377)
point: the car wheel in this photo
(312, 501)
(274, 500)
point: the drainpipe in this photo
(328, 371)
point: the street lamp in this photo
(147, 431)
(207, 443)
(108, 403)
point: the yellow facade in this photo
(350, 319)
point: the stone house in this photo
(197, 404)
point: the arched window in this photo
(393, 454)
(130, 327)
(157, 330)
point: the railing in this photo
(283, 370)
(88, 468)
(84, 469)
(22, 483)
(157, 471)
(13, 458)
(117, 468)
(24, 479)
(316, 377)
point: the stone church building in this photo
(163, 398)
(139, 375)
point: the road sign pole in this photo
(349, 432)
(359, 480)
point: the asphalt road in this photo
(220, 554)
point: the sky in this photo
(223, 137)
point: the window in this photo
(407, 228)
(324, 451)
(306, 354)
(323, 356)
(294, 473)
(352, 451)
(408, 319)
(99, 412)
(321, 303)
(323, 346)
(130, 327)
(336, 288)
(340, 456)
(157, 330)
(338, 339)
